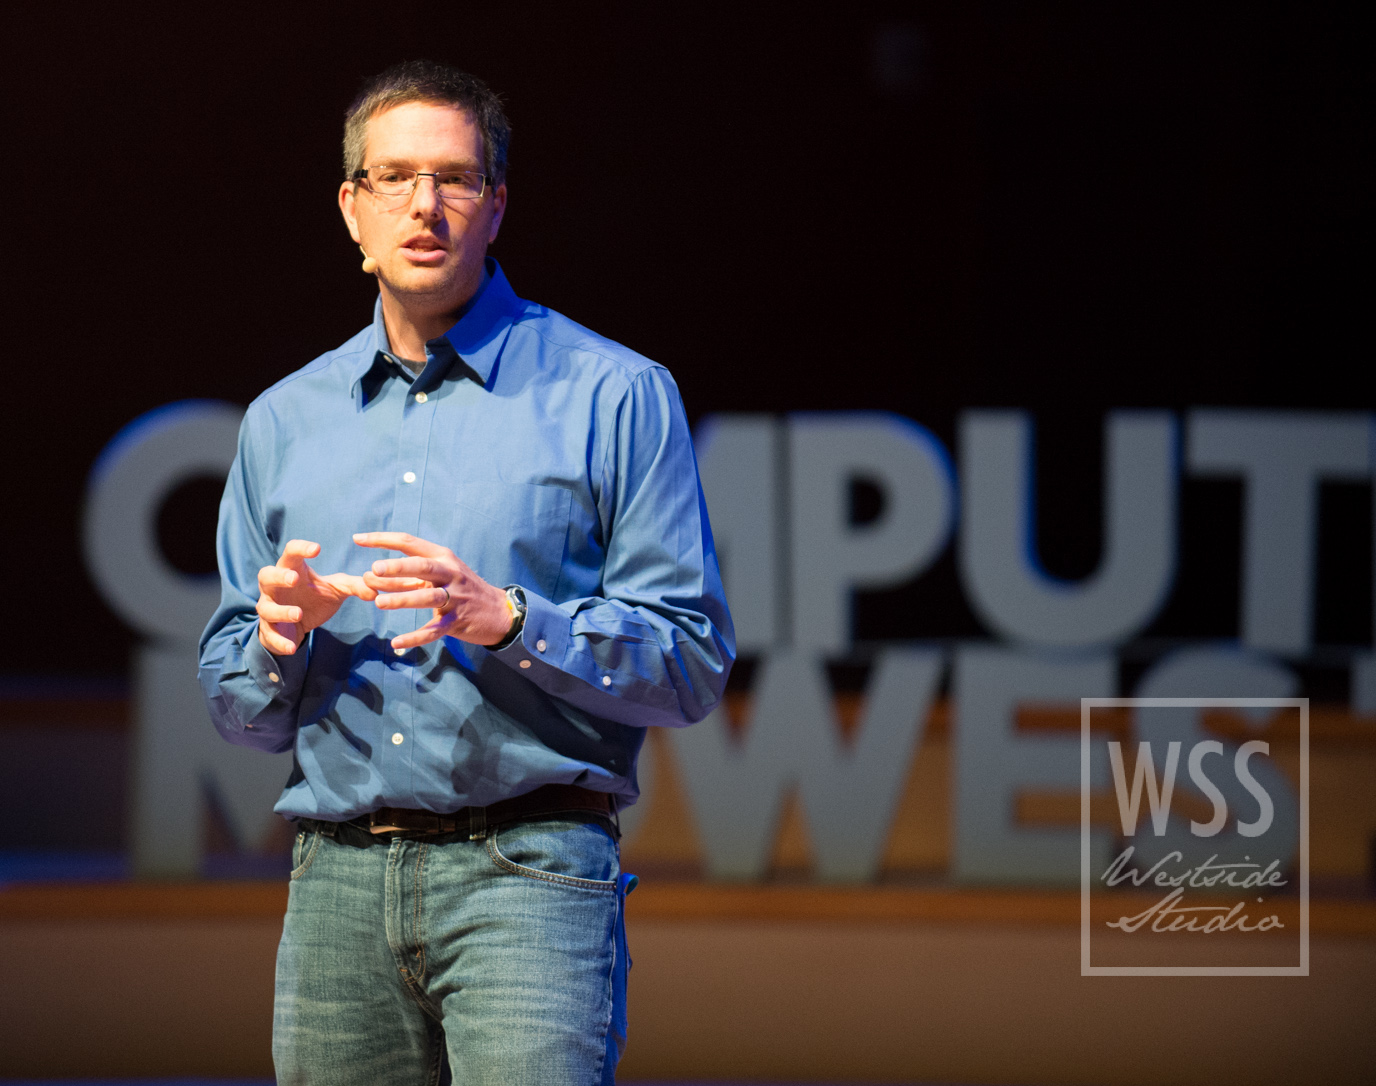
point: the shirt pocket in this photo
(514, 533)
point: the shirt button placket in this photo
(399, 685)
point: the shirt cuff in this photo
(274, 675)
(544, 636)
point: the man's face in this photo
(425, 248)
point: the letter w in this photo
(850, 791)
(1145, 773)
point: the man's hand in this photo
(465, 605)
(294, 599)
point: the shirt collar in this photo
(480, 333)
(476, 339)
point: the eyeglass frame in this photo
(361, 174)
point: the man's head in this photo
(425, 81)
(423, 118)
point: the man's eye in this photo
(391, 177)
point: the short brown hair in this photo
(426, 81)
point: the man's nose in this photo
(425, 200)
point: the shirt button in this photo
(540, 645)
(421, 397)
(397, 739)
(409, 477)
(525, 663)
(273, 677)
(606, 680)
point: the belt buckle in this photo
(374, 826)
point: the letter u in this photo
(1002, 575)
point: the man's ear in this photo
(498, 210)
(346, 208)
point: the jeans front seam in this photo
(418, 934)
(513, 868)
(396, 936)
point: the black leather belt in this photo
(543, 802)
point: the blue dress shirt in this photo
(544, 456)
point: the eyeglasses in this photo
(451, 185)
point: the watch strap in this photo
(516, 604)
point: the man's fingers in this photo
(415, 600)
(352, 585)
(274, 641)
(425, 569)
(271, 611)
(297, 551)
(394, 584)
(277, 577)
(399, 541)
(433, 630)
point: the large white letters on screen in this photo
(177, 752)
(134, 475)
(1282, 456)
(737, 462)
(998, 566)
(1219, 673)
(832, 557)
(778, 495)
(1362, 697)
(178, 758)
(993, 763)
(849, 790)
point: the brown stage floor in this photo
(757, 983)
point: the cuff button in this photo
(606, 680)
(540, 645)
(273, 677)
(525, 663)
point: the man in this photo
(520, 580)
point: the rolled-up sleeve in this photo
(655, 647)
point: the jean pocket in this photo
(575, 854)
(303, 852)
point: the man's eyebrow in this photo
(448, 167)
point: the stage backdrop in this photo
(1022, 345)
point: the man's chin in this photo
(419, 280)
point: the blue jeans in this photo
(502, 957)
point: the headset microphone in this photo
(369, 263)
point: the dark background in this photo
(922, 208)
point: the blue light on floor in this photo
(24, 865)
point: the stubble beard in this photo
(439, 290)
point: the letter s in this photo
(1249, 782)
(1208, 829)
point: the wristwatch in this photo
(516, 604)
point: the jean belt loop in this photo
(477, 823)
